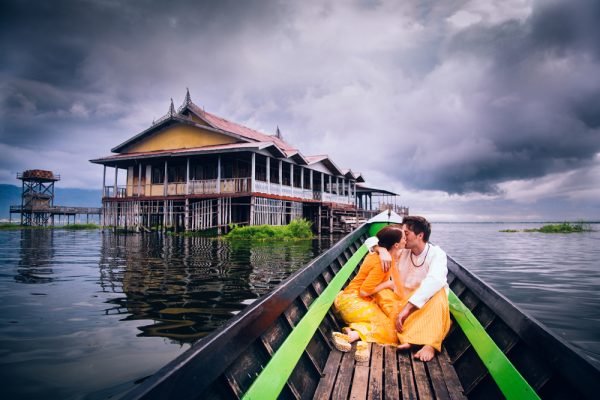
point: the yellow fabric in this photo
(428, 325)
(366, 318)
(362, 314)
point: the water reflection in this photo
(183, 288)
(37, 251)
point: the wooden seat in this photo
(389, 374)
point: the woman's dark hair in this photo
(389, 236)
(418, 225)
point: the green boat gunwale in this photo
(575, 367)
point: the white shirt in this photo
(427, 272)
(429, 277)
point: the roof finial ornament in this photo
(278, 132)
(188, 98)
(172, 109)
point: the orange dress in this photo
(362, 314)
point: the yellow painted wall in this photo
(179, 137)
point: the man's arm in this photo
(384, 255)
(408, 309)
(436, 278)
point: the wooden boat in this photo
(280, 347)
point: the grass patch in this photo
(10, 227)
(297, 229)
(565, 227)
(14, 227)
(78, 226)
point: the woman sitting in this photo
(355, 304)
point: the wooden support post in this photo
(319, 227)
(219, 174)
(302, 181)
(165, 182)
(252, 172)
(115, 186)
(268, 174)
(311, 180)
(186, 212)
(292, 178)
(104, 182)
(252, 211)
(140, 179)
(280, 177)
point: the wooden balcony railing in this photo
(227, 186)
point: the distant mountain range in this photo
(10, 195)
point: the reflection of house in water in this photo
(192, 170)
(185, 287)
(37, 253)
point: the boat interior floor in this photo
(388, 374)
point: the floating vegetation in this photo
(564, 227)
(297, 229)
(78, 226)
(12, 227)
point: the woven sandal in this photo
(341, 341)
(362, 351)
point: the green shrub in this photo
(297, 229)
(565, 227)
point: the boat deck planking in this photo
(388, 374)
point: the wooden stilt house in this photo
(192, 170)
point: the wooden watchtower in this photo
(37, 196)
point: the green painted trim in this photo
(376, 227)
(509, 380)
(273, 377)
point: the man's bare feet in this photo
(425, 354)
(404, 346)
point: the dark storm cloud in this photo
(536, 107)
(85, 62)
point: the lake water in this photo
(85, 314)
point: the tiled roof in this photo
(192, 150)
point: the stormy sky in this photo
(471, 110)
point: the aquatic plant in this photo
(565, 227)
(297, 229)
(79, 226)
(508, 230)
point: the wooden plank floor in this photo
(389, 374)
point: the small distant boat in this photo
(280, 347)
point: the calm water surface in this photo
(85, 314)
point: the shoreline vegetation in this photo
(11, 227)
(296, 230)
(564, 227)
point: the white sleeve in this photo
(436, 278)
(371, 242)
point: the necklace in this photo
(424, 258)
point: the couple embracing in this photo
(399, 295)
